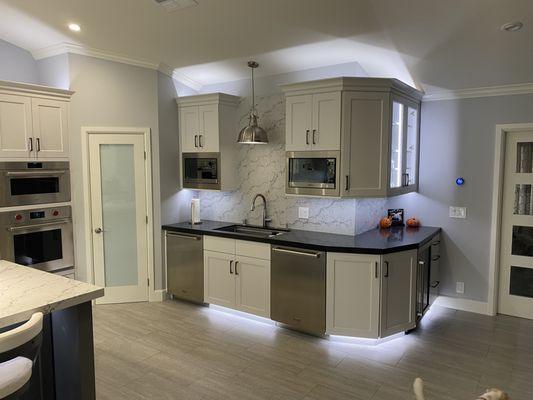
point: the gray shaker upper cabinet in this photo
(374, 122)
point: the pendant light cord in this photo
(253, 93)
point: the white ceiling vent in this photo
(174, 5)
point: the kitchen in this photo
(288, 235)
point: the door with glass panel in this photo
(403, 169)
(118, 211)
(516, 256)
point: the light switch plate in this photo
(457, 212)
(303, 212)
(460, 287)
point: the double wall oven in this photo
(33, 233)
(313, 173)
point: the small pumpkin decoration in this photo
(413, 222)
(385, 223)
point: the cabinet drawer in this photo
(221, 245)
(252, 249)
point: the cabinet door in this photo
(398, 292)
(208, 128)
(253, 285)
(50, 128)
(352, 303)
(364, 153)
(326, 127)
(189, 129)
(219, 278)
(299, 122)
(434, 270)
(16, 129)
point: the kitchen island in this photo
(67, 355)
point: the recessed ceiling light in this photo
(74, 27)
(512, 26)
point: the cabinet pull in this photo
(314, 134)
(386, 275)
(38, 140)
(436, 258)
(195, 140)
(405, 177)
(31, 143)
(434, 284)
(200, 140)
(231, 266)
(376, 272)
(347, 186)
(236, 270)
(435, 243)
(307, 136)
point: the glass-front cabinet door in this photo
(404, 146)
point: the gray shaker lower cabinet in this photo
(369, 295)
(398, 292)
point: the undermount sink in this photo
(250, 230)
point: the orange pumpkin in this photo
(413, 222)
(385, 223)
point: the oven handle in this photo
(56, 222)
(30, 173)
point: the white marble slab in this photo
(25, 290)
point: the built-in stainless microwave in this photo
(201, 171)
(313, 173)
(27, 183)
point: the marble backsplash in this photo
(261, 169)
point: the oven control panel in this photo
(37, 216)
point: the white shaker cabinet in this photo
(50, 128)
(189, 123)
(16, 130)
(219, 279)
(298, 121)
(253, 285)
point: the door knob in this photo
(98, 230)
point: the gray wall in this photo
(54, 71)
(17, 64)
(458, 140)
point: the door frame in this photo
(146, 132)
(496, 214)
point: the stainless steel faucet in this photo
(266, 220)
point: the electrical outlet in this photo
(303, 212)
(460, 287)
(457, 212)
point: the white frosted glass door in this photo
(118, 197)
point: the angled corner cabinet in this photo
(373, 122)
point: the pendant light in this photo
(253, 133)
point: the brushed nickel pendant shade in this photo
(253, 133)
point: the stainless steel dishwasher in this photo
(185, 266)
(298, 288)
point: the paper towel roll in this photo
(195, 211)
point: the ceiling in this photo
(451, 44)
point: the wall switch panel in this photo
(460, 287)
(303, 212)
(457, 212)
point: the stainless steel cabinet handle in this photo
(184, 236)
(231, 266)
(30, 227)
(314, 133)
(307, 136)
(347, 187)
(436, 258)
(434, 284)
(195, 140)
(200, 143)
(236, 270)
(38, 140)
(31, 143)
(386, 275)
(376, 272)
(296, 253)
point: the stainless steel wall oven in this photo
(201, 171)
(314, 173)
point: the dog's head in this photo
(494, 394)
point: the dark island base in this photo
(66, 368)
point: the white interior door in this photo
(119, 216)
(516, 259)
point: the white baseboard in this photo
(159, 295)
(457, 303)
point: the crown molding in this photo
(186, 80)
(488, 91)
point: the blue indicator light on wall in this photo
(460, 181)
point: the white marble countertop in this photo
(25, 290)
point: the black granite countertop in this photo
(375, 241)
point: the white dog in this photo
(490, 394)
